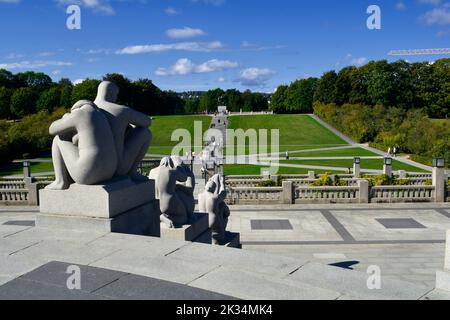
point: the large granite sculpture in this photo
(130, 129)
(83, 141)
(175, 185)
(98, 141)
(96, 151)
(212, 201)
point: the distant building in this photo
(222, 109)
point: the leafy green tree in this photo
(49, 100)
(344, 85)
(326, 88)
(86, 90)
(36, 80)
(6, 79)
(23, 102)
(211, 100)
(66, 87)
(5, 101)
(300, 95)
(278, 103)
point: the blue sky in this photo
(202, 44)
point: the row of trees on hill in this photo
(232, 98)
(30, 92)
(399, 84)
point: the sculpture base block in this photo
(189, 232)
(443, 280)
(121, 205)
(107, 200)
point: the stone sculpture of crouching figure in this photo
(83, 140)
(176, 200)
(212, 201)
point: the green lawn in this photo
(163, 127)
(375, 164)
(238, 169)
(353, 152)
(297, 132)
(17, 168)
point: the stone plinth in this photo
(443, 276)
(197, 232)
(121, 205)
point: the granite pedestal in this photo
(120, 205)
(199, 231)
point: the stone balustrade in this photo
(12, 185)
(267, 195)
(390, 194)
(327, 194)
(14, 196)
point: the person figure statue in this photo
(130, 129)
(176, 200)
(212, 201)
(83, 140)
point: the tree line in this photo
(404, 85)
(31, 92)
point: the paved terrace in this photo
(33, 262)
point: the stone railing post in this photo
(439, 184)
(363, 186)
(311, 175)
(33, 194)
(288, 192)
(443, 276)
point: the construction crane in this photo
(419, 52)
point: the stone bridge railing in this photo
(266, 195)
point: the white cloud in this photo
(400, 6)
(221, 80)
(359, 61)
(171, 11)
(185, 33)
(185, 66)
(432, 2)
(102, 6)
(78, 81)
(437, 16)
(34, 64)
(182, 46)
(255, 77)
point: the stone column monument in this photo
(96, 150)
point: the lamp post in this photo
(439, 179)
(387, 168)
(357, 168)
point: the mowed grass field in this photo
(17, 168)
(163, 127)
(297, 132)
(372, 164)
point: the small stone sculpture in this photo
(83, 140)
(212, 202)
(130, 129)
(175, 185)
